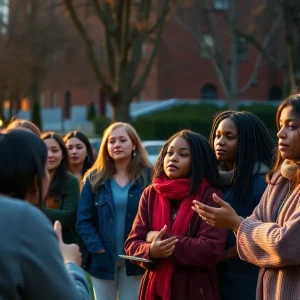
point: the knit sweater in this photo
(274, 246)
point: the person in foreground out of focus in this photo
(32, 266)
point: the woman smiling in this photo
(63, 195)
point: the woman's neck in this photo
(52, 173)
(121, 167)
(229, 166)
(77, 170)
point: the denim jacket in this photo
(99, 232)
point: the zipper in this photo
(202, 294)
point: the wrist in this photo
(237, 223)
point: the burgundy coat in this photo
(195, 256)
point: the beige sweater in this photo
(275, 247)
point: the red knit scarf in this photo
(160, 279)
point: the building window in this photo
(209, 92)
(25, 104)
(243, 49)
(53, 100)
(67, 106)
(4, 14)
(207, 45)
(275, 93)
(220, 4)
(6, 104)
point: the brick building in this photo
(181, 70)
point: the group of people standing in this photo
(214, 219)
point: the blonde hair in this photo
(20, 123)
(104, 167)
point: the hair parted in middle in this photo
(89, 160)
(254, 146)
(58, 183)
(203, 161)
(103, 168)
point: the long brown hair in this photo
(104, 167)
(294, 101)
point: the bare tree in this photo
(291, 20)
(201, 19)
(33, 34)
(132, 31)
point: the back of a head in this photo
(23, 157)
(25, 125)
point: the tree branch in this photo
(265, 44)
(140, 83)
(88, 44)
(259, 47)
(101, 14)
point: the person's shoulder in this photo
(12, 209)
(72, 178)
(18, 206)
(73, 181)
(149, 192)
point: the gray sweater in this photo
(31, 265)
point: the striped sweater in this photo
(274, 246)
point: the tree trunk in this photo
(291, 71)
(289, 27)
(35, 96)
(102, 103)
(232, 102)
(120, 109)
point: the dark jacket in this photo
(195, 256)
(101, 235)
(238, 279)
(67, 211)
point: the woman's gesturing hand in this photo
(221, 217)
(162, 248)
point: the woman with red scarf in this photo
(183, 248)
